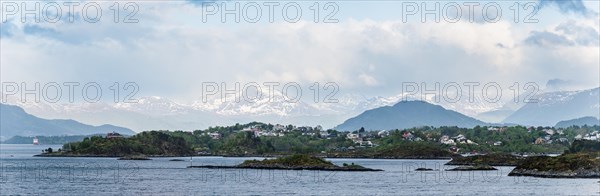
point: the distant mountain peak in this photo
(15, 121)
(588, 120)
(552, 107)
(408, 114)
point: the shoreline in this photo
(555, 174)
(240, 156)
(102, 156)
(285, 168)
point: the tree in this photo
(361, 130)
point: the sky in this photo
(369, 48)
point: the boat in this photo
(35, 141)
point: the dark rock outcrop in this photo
(294, 162)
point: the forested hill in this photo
(151, 143)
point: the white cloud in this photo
(368, 80)
(169, 53)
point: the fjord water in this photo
(21, 173)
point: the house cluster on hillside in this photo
(277, 130)
(590, 136)
(258, 131)
(499, 129)
(361, 139)
(550, 136)
(411, 137)
(459, 139)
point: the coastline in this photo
(99, 156)
(286, 168)
(555, 174)
(243, 156)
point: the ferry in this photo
(35, 141)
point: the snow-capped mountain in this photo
(258, 104)
(154, 105)
(161, 113)
(155, 112)
(550, 108)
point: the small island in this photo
(423, 169)
(473, 168)
(145, 144)
(293, 162)
(580, 165)
(176, 160)
(135, 158)
(496, 159)
(582, 160)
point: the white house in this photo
(215, 136)
(383, 133)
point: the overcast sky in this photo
(370, 51)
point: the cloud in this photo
(569, 6)
(568, 33)
(545, 38)
(170, 53)
(6, 29)
(39, 30)
(203, 2)
(581, 34)
(368, 80)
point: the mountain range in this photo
(154, 113)
(588, 120)
(158, 113)
(15, 121)
(547, 109)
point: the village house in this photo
(446, 140)
(498, 129)
(254, 129)
(215, 136)
(113, 135)
(279, 127)
(365, 143)
(305, 129)
(563, 140)
(352, 136)
(592, 136)
(454, 149)
(323, 134)
(540, 140)
(469, 142)
(383, 133)
(460, 138)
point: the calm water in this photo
(23, 174)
